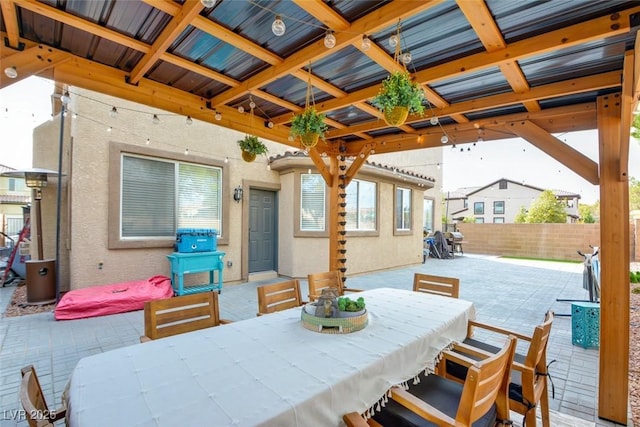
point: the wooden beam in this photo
(377, 20)
(613, 381)
(10, 19)
(627, 112)
(607, 80)
(568, 156)
(219, 32)
(189, 10)
(323, 13)
(618, 23)
(199, 69)
(317, 160)
(32, 61)
(82, 24)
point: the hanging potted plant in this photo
(309, 126)
(251, 146)
(398, 97)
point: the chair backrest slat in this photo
(32, 398)
(320, 281)
(485, 380)
(537, 348)
(279, 296)
(438, 285)
(177, 315)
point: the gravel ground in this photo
(18, 306)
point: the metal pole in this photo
(58, 201)
(37, 205)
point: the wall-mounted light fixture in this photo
(237, 194)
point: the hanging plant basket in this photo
(309, 139)
(396, 116)
(248, 157)
(251, 146)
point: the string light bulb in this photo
(109, 129)
(252, 104)
(406, 58)
(208, 3)
(189, 121)
(393, 40)
(444, 139)
(366, 43)
(65, 99)
(113, 113)
(329, 40)
(155, 119)
(278, 27)
(186, 151)
(218, 116)
(241, 109)
(74, 116)
(270, 124)
(434, 120)
(226, 159)
(11, 72)
(148, 141)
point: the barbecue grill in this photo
(454, 240)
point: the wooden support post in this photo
(613, 383)
(334, 200)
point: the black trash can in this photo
(41, 281)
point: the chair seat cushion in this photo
(440, 393)
(460, 372)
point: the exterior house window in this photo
(498, 220)
(159, 195)
(498, 208)
(478, 208)
(403, 209)
(427, 219)
(466, 203)
(361, 205)
(312, 202)
(502, 185)
(479, 220)
(12, 184)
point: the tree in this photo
(521, 217)
(589, 213)
(634, 192)
(635, 127)
(547, 209)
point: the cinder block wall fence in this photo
(546, 241)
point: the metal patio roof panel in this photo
(353, 10)
(350, 115)
(486, 82)
(294, 90)
(576, 61)
(204, 49)
(520, 19)
(453, 38)
(253, 20)
(349, 69)
(166, 73)
(509, 109)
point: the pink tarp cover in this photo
(112, 299)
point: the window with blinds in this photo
(361, 205)
(159, 196)
(403, 209)
(312, 202)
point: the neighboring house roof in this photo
(14, 199)
(4, 168)
(464, 192)
(417, 177)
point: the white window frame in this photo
(357, 193)
(403, 204)
(312, 205)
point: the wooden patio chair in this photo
(329, 279)
(438, 285)
(177, 315)
(528, 387)
(279, 296)
(33, 402)
(480, 401)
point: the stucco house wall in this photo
(90, 173)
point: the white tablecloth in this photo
(267, 371)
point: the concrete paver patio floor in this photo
(509, 293)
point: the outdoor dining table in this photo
(268, 370)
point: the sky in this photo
(27, 104)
